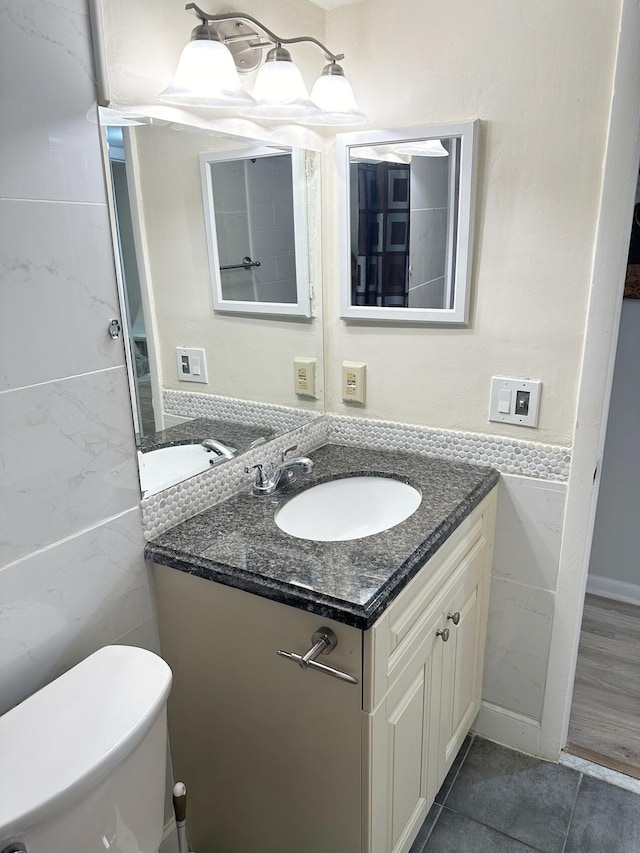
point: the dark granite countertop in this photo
(232, 433)
(238, 543)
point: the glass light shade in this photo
(378, 154)
(333, 95)
(426, 148)
(280, 93)
(206, 77)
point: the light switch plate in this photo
(191, 363)
(515, 401)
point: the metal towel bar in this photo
(246, 263)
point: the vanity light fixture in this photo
(279, 90)
(332, 92)
(400, 152)
(223, 44)
(423, 148)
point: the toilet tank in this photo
(84, 759)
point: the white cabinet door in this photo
(403, 736)
(463, 654)
(427, 652)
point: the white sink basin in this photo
(350, 508)
(167, 466)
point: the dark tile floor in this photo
(495, 800)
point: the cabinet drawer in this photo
(411, 603)
(465, 577)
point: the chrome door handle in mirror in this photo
(323, 642)
(444, 634)
(454, 617)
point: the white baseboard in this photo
(169, 838)
(508, 728)
(618, 590)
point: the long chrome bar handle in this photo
(323, 642)
(321, 667)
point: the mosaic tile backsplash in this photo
(189, 404)
(509, 456)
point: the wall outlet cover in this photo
(354, 380)
(304, 377)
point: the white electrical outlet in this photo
(354, 382)
(515, 401)
(192, 364)
(304, 376)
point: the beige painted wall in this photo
(538, 75)
(247, 356)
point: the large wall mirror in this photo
(406, 212)
(207, 385)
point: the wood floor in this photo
(605, 714)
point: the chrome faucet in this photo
(219, 449)
(285, 472)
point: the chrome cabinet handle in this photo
(444, 634)
(323, 642)
(455, 617)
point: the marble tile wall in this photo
(522, 600)
(72, 576)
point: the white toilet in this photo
(82, 762)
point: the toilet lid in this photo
(69, 735)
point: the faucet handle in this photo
(260, 476)
(286, 452)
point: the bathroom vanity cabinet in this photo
(281, 759)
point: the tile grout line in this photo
(70, 537)
(54, 201)
(423, 849)
(573, 808)
(473, 737)
(441, 805)
(19, 388)
(493, 829)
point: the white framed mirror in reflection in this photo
(257, 229)
(205, 385)
(406, 201)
